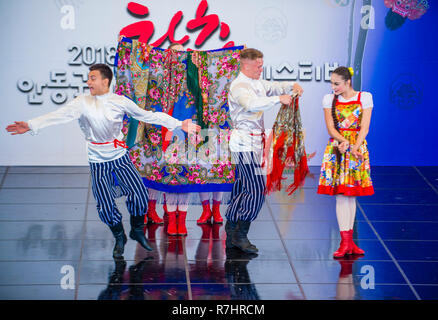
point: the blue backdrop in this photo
(405, 65)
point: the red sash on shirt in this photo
(116, 143)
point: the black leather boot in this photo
(235, 253)
(137, 233)
(120, 236)
(240, 238)
(230, 228)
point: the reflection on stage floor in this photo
(53, 245)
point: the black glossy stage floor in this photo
(53, 245)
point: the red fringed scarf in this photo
(287, 142)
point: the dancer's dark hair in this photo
(344, 72)
(104, 70)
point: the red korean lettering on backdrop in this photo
(209, 24)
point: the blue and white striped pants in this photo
(248, 193)
(130, 182)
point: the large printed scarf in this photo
(285, 148)
(186, 85)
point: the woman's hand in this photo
(343, 146)
(356, 153)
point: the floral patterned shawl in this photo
(185, 85)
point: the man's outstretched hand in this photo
(19, 127)
(189, 127)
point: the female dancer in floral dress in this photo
(345, 170)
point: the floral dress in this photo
(348, 176)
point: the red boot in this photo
(165, 210)
(152, 213)
(354, 248)
(345, 245)
(217, 218)
(145, 221)
(206, 213)
(182, 230)
(171, 227)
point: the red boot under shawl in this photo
(171, 227)
(152, 213)
(182, 230)
(217, 218)
(206, 213)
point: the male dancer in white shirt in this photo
(100, 115)
(248, 98)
